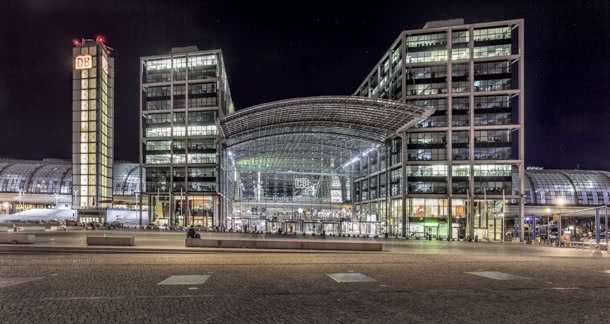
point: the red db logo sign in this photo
(82, 62)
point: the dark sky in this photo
(289, 49)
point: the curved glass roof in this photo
(576, 187)
(314, 134)
(52, 176)
(367, 118)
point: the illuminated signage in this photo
(301, 183)
(82, 62)
(105, 64)
(335, 196)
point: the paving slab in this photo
(184, 280)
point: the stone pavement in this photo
(440, 287)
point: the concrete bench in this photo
(17, 238)
(286, 244)
(111, 240)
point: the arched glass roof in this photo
(367, 118)
(314, 134)
(52, 176)
(576, 187)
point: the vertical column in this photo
(403, 65)
(521, 129)
(471, 147)
(449, 132)
(404, 183)
(172, 212)
(141, 144)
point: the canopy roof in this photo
(314, 133)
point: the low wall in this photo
(21, 238)
(111, 240)
(286, 244)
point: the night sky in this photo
(290, 49)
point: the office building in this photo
(183, 95)
(459, 161)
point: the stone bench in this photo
(285, 244)
(111, 240)
(17, 238)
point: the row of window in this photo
(194, 117)
(191, 158)
(180, 131)
(179, 145)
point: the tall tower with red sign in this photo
(92, 128)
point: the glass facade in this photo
(183, 95)
(468, 150)
(92, 128)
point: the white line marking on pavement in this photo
(193, 288)
(564, 288)
(497, 275)
(350, 277)
(185, 280)
(6, 282)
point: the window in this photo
(427, 72)
(201, 172)
(492, 85)
(461, 170)
(202, 158)
(179, 96)
(158, 146)
(461, 120)
(460, 86)
(493, 170)
(158, 158)
(492, 51)
(490, 102)
(460, 137)
(426, 89)
(202, 186)
(427, 154)
(178, 131)
(427, 138)
(156, 119)
(201, 117)
(425, 40)
(157, 98)
(157, 70)
(433, 121)
(460, 36)
(495, 33)
(202, 66)
(489, 68)
(492, 136)
(180, 69)
(427, 56)
(492, 119)
(461, 103)
(415, 187)
(202, 130)
(437, 104)
(427, 171)
(460, 154)
(460, 70)
(158, 131)
(492, 153)
(396, 181)
(201, 145)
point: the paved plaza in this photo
(410, 282)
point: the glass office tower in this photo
(459, 161)
(92, 126)
(182, 96)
